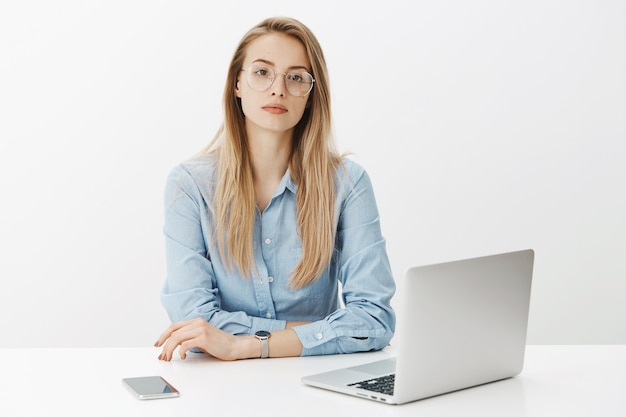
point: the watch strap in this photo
(263, 337)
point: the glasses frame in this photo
(273, 78)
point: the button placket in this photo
(266, 248)
(265, 303)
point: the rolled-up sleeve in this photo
(362, 266)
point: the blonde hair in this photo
(312, 165)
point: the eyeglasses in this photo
(261, 77)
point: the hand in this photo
(197, 333)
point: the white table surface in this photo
(556, 381)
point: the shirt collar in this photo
(286, 183)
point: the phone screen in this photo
(150, 387)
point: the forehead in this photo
(279, 49)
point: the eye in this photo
(297, 78)
(262, 72)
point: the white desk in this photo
(556, 381)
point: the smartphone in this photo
(150, 387)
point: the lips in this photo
(275, 108)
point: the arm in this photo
(367, 322)
(197, 333)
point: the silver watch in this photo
(263, 337)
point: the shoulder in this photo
(352, 183)
(349, 173)
(195, 178)
(195, 170)
(354, 191)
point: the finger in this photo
(194, 343)
(168, 332)
(178, 333)
(182, 350)
(178, 337)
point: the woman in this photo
(264, 225)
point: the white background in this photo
(486, 126)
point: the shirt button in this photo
(319, 336)
(270, 279)
(268, 315)
(268, 241)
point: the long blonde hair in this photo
(312, 165)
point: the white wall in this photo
(486, 126)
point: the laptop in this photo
(463, 324)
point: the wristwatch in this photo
(263, 337)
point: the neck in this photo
(269, 157)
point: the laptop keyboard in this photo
(382, 385)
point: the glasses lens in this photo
(259, 77)
(299, 83)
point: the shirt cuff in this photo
(315, 338)
(258, 323)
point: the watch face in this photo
(262, 333)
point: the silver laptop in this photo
(463, 324)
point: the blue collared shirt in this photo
(348, 306)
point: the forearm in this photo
(197, 333)
(284, 343)
(347, 330)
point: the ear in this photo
(237, 92)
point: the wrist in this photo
(248, 347)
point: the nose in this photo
(279, 87)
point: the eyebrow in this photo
(293, 67)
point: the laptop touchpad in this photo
(386, 366)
